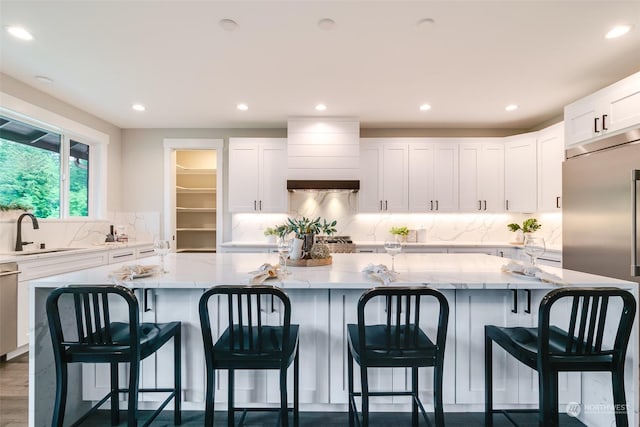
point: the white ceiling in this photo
(376, 63)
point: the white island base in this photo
(324, 300)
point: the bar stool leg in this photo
(488, 381)
(177, 371)
(132, 406)
(438, 405)
(230, 408)
(115, 404)
(365, 396)
(284, 415)
(619, 398)
(548, 390)
(61, 394)
(210, 397)
(414, 403)
(350, 391)
(296, 400)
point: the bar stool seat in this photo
(90, 336)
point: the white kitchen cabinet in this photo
(384, 165)
(520, 178)
(257, 175)
(606, 111)
(513, 382)
(482, 176)
(433, 176)
(343, 310)
(550, 158)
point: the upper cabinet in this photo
(520, 174)
(384, 170)
(550, 157)
(482, 175)
(433, 176)
(607, 111)
(257, 175)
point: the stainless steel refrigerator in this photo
(600, 187)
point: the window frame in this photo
(97, 141)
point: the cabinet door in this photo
(622, 104)
(579, 120)
(521, 174)
(370, 194)
(550, 157)
(470, 171)
(23, 314)
(445, 177)
(395, 181)
(491, 177)
(272, 194)
(244, 176)
(421, 159)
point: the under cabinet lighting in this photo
(618, 31)
(19, 33)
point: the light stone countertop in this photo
(443, 271)
(33, 254)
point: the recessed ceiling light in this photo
(242, 107)
(425, 107)
(321, 107)
(19, 33)
(228, 24)
(138, 107)
(617, 31)
(44, 79)
(326, 24)
(511, 107)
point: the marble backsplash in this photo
(139, 226)
(441, 227)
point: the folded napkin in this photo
(380, 272)
(532, 271)
(264, 272)
(130, 272)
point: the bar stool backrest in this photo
(92, 318)
(590, 317)
(402, 318)
(248, 306)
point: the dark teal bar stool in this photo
(91, 335)
(577, 346)
(248, 343)
(399, 342)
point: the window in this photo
(34, 165)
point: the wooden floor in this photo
(14, 389)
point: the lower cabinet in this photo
(513, 382)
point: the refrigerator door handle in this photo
(635, 267)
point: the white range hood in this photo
(323, 148)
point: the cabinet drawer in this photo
(122, 255)
(60, 264)
(145, 251)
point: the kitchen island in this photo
(324, 300)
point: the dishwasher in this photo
(8, 307)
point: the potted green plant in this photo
(305, 230)
(400, 233)
(529, 225)
(270, 233)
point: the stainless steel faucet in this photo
(19, 242)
